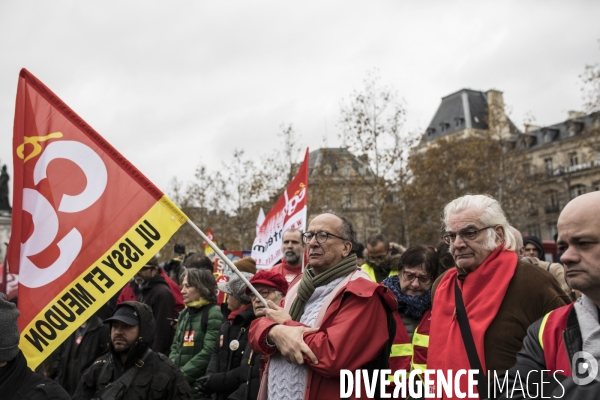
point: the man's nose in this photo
(459, 242)
(570, 256)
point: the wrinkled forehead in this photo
(460, 220)
(292, 235)
(325, 222)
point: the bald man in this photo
(568, 337)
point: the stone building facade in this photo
(341, 182)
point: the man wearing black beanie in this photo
(17, 380)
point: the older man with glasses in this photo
(482, 308)
(321, 328)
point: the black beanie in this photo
(534, 240)
(9, 331)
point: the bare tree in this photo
(371, 123)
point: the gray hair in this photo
(490, 214)
(203, 281)
(348, 231)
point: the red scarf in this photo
(237, 312)
(483, 291)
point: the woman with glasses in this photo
(418, 268)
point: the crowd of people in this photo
(483, 298)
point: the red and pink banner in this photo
(289, 212)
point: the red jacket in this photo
(128, 293)
(352, 332)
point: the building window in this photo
(574, 159)
(348, 200)
(458, 121)
(548, 164)
(534, 230)
(444, 126)
(552, 205)
(577, 190)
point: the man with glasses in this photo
(321, 327)
(155, 292)
(482, 308)
(379, 255)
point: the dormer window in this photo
(444, 126)
(550, 135)
(430, 132)
(458, 121)
(575, 128)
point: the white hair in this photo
(490, 214)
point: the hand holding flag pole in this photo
(228, 262)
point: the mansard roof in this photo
(560, 131)
(334, 159)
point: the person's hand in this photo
(203, 387)
(274, 313)
(290, 343)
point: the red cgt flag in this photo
(84, 221)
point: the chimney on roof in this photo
(531, 128)
(497, 120)
(575, 114)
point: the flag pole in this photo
(228, 262)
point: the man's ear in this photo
(347, 249)
(500, 232)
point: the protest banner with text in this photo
(289, 212)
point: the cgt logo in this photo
(45, 218)
(584, 367)
(291, 204)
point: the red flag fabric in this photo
(207, 248)
(84, 221)
(289, 212)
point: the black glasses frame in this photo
(465, 234)
(321, 237)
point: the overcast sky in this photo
(171, 84)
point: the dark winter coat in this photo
(75, 359)
(18, 382)
(225, 359)
(193, 356)
(246, 377)
(157, 294)
(158, 378)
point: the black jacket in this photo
(224, 359)
(18, 382)
(75, 359)
(246, 376)
(157, 294)
(158, 378)
(531, 362)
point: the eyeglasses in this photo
(378, 258)
(262, 292)
(423, 280)
(321, 237)
(465, 234)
